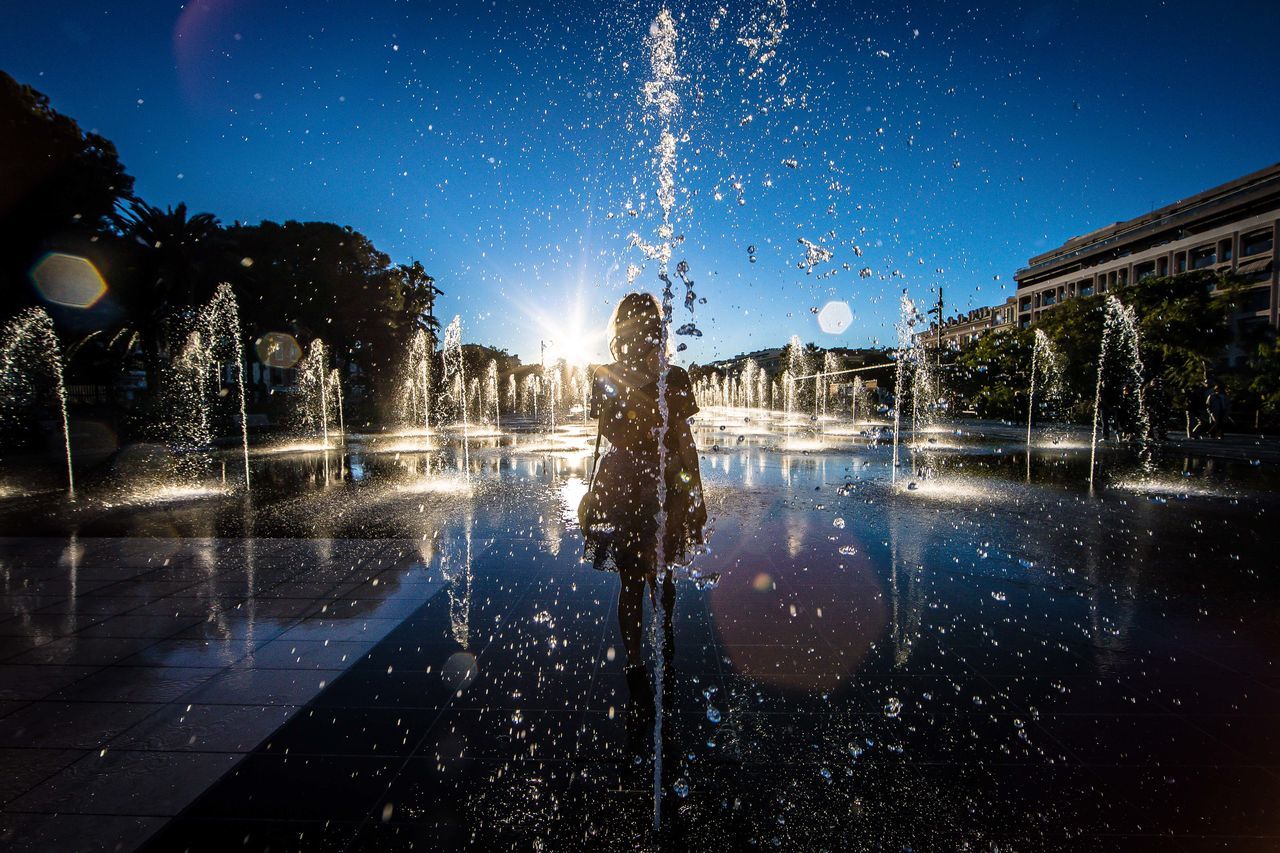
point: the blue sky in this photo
(502, 143)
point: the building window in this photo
(1162, 266)
(1255, 243)
(1180, 262)
(1048, 298)
(1086, 288)
(1225, 251)
(1145, 270)
(1258, 300)
(1203, 257)
(1025, 304)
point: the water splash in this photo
(908, 317)
(321, 393)
(762, 35)
(491, 383)
(814, 255)
(662, 106)
(1120, 351)
(1045, 376)
(195, 379)
(456, 383)
(29, 343)
(415, 394)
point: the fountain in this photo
(1045, 375)
(908, 316)
(797, 367)
(321, 394)
(662, 102)
(491, 382)
(584, 392)
(456, 383)
(415, 396)
(529, 395)
(552, 385)
(858, 393)
(926, 397)
(1120, 350)
(29, 341)
(196, 378)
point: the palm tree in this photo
(420, 294)
(176, 263)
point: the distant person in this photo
(1202, 419)
(620, 513)
(1216, 410)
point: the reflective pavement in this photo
(981, 659)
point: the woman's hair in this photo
(635, 329)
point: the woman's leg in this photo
(668, 614)
(631, 617)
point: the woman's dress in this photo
(621, 521)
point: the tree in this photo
(991, 374)
(1184, 322)
(173, 263)
(416, 299)
(58, 186)
(322, 280)
(1257, 385)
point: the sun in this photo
(566, 336)
(574, 347)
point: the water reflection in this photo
(455, 566)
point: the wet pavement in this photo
(400, 650)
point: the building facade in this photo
(966, 328)
(1232, 228)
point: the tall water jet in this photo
(335, 382)
(832, 365)
(926, 401)
(415, 394)
(797, 368)
(551, 386)
(195, 379)
(529, 395)
(1044, 378)
(455, 383)
(319, 388)
(474, 399)
(492, 384)
(1120, 350)
(223, 313)
(748, 379)
(908, 316)
(584, 393)
(26, 341)
(662, 107)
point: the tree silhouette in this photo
(58, 186)
(174, 263)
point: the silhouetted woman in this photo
(620, 518)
